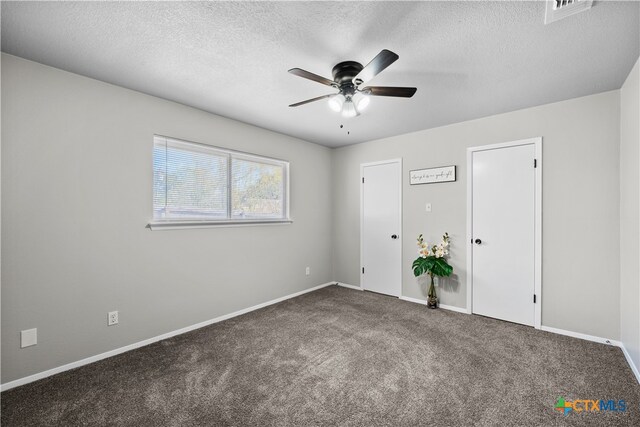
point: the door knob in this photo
(478, 242)
(394, 236)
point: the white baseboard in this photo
(416, 300)
(580, 336)
(344, 285)
(453, 308)
(97, 357)
(443, 306)
(601, 340)
(632, 365)
(92, 359)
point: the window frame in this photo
(230, 221)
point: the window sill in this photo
(177, 225)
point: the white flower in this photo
(439, 251)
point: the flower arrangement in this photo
(432, 261)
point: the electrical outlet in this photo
(112, 318)
(308, 271)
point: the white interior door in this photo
(503, 233)
(381, 223)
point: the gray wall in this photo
(630, 215)
(76, 180)
(580, 260)
(76, 198)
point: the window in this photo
(200, 184)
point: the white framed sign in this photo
(432, 175)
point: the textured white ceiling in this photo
(467, 59)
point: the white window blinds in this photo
(194, 182)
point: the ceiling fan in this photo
(348, 76)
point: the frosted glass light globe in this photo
(335, 102)
(349, 109)
(362, 101)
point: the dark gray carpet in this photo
(339, 357)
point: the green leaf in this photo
(418, 268)
(436, 266)
(422, 266)
(442, 268)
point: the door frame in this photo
(537, 143)
(362, 166)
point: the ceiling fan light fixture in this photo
(347, 78)
(349, 109)
(336, 102)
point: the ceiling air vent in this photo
(558, 9)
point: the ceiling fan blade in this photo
(403, 92)
(377, 64)
(312, 100)
(316, 78)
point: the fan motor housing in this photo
(345, 71)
